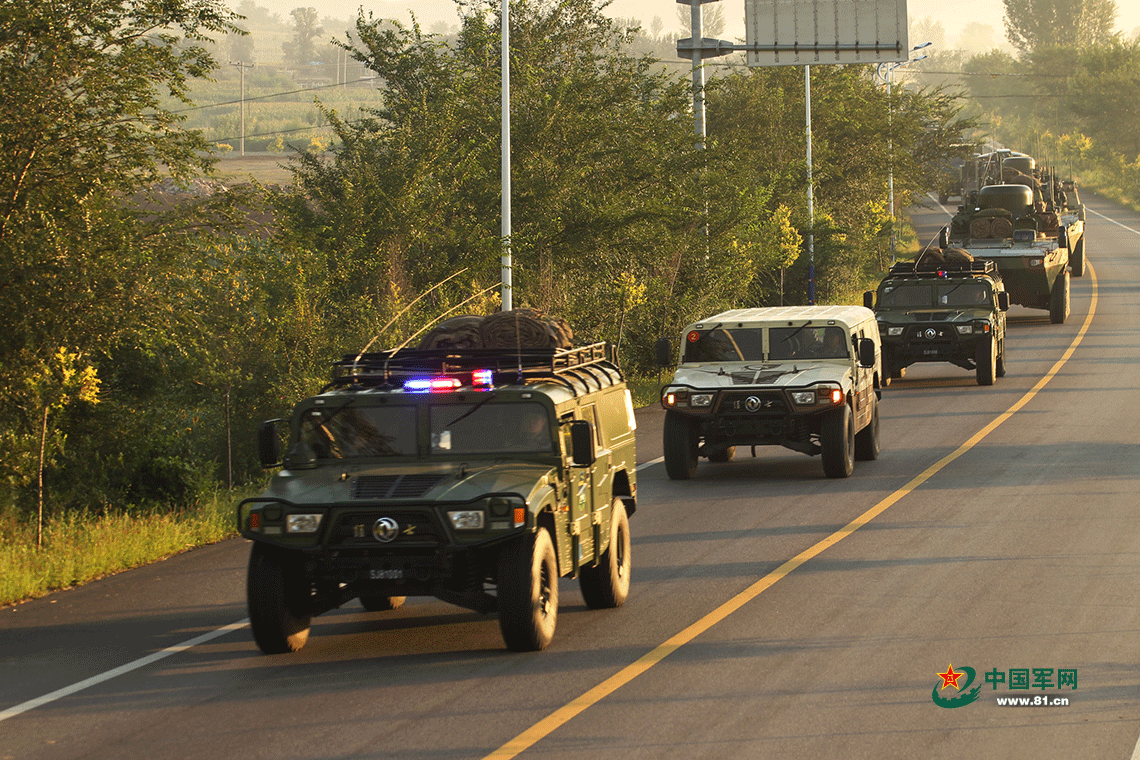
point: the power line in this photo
(271, 95)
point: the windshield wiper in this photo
(796, 332)
(469, 412)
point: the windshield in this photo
(910, 294)
(350, 431)
(490, 428)
(808, 343)
(740, 345)
(973, 293)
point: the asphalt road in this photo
(774, 612)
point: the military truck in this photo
(942, 311)
(1030, 244)
(804, 377)
(475, 476)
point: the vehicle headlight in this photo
(307, 523)
(965, 329)
(894, 332)
(803, 398)
(701, 399)
(675, 397)
(467, 519)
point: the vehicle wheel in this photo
(277, 596)
(867, 439)
(528, 592)
(1077, 258)
(680, 446)
(722, 455)
(381, 603)
(1059, 300)
(837, 443)
(606, 584)
(986, 360)
(999, 370)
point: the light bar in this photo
(433, 384)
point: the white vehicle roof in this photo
(846, 316)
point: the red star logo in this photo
(950, 678)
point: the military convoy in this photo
(804, 377)
(1029, 224)
(477, 476)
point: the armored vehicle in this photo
(1032, 225)
(476, 476)
(945, 311)
(803, 377)
(1030, 244)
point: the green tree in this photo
(301, 50)
(1032, 25)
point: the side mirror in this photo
(664, 349)
(1003, 300)
(269, 444)
(581, 443)
(869, 299)
(944, 238)
(866, 352)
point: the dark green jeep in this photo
(942, 312)
(477, 476)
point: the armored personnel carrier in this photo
(1030, 244)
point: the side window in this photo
(590, 414)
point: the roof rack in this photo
(572, 367)
(941, 268)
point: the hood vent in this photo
(394, 486)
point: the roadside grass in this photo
(79, 547)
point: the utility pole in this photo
(242, 66)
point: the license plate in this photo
(385, 575)
(931, 352)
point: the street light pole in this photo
(889, 77)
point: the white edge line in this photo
(1118, 224)
(142, 662)
(115, 672)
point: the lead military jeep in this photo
(803, 377)
(476, 476)
(944, 311)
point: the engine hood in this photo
(770, 374)
(453, 481)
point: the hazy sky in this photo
(953, 15)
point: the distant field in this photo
(266, 168)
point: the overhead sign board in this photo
(797, 32)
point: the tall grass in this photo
(80, 547)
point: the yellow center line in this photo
(564, 714)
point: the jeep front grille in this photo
(753, 403)
(394, 486)
(413, 529)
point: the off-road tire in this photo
(680, 446)
(986, 361)
(606, 584)
(722, 455)
(1077, 258)
(999, 370)
(867, 439)
(381, 602)
(277, 597)
(1059, 299)
(528, 592)
(837, 443)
